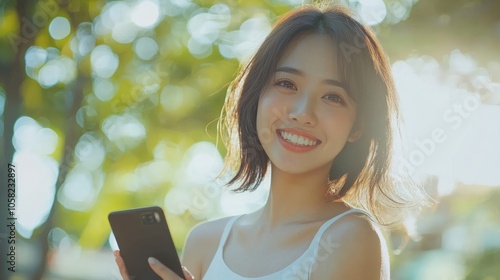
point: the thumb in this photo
(161, 270)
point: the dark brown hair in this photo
(364, 69)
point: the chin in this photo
(297, 168)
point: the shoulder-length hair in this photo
(360, 171)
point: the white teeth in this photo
(297, 140)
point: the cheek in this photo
(263, 120)
(270, 112)
(271, 109)
(340, 122)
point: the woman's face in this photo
(304, 115)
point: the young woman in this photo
(314, 107)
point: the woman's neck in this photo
(297, 198)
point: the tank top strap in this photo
(317, 237)
(226, 231)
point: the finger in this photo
(164, 272)
(187, 274)
(121, 265)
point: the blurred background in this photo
(107, 105)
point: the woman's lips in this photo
(298, 133)
(294, 147)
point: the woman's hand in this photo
(164, 272)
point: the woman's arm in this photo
(201, 245)
(192, 255)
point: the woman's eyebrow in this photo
(298, 72)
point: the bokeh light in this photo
(145, 48)
(372, 12)
(244, 42)
(104, 89)
(124, 131)
(38, 173)
(84, 41)
(2, 102)
(197, 194)
(90, 151)
(59, 28)
(104, 61)
(145, 13)
(80, 189)
(59, 70)
(35, 57)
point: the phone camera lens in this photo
(148, 218)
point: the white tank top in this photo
(300, 269)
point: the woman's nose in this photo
(302, 111)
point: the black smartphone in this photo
(142, 233)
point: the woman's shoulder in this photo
(209, 231)
(356, 229)
(202, 243)
(351, 242)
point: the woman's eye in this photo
(286, 84)
(334, 98)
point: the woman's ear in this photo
(354, 136)
(356, 132)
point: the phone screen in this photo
(142, 233)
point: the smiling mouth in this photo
(298, 139)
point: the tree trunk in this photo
(72, 134)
